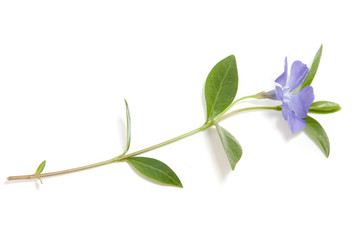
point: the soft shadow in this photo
(203, 100)
(37, 185)
(281, 124)
(121, 126)
(218, 153)
(35, 181)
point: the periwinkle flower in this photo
(295, 105)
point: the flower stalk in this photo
(122, 157)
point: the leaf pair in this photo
(220, 90)
(149, 167)
(313, 127)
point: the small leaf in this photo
(221, 86)
(314, 128)
(312, 71)
(231, 146)
(40, 168)
(128, 128)
(156, 170)
(324, 107)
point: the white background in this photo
(66, 66)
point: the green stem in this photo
(124, 157)
(220, 118)
(238, 100)
(119, 158)
(203, 127)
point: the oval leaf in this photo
(314, 128)
(40, 168)
(221, 86)
(156, 170)
(324, 107)
(313, 69)
(231, 146)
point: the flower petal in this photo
(301, 101)
(297, 74)
(279, 93)
(296, 124)
(281, 82)
(283, 77)
(285, 109)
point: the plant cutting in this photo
(293, 92)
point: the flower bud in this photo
(270, 94)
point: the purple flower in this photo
(295, 106)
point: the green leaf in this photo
(231, 146)
(312, 71)
(324, 107)
(221, 86)
(314, 128)
(156, 170)
(128, 128)
(40, 168)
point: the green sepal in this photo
(314, 128)
(231, 146)
(155, 170)
(324, 107)
(221, 87)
